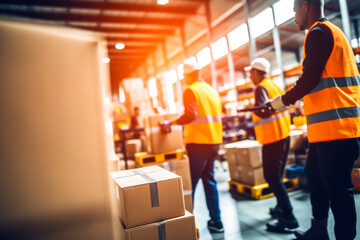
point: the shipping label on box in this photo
(247, 152)
(164, 142)
(179, 228)
(148, 194)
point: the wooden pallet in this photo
(260, 191)
(144, 158)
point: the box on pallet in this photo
(297, 139)
(163, 142)
(247, 175)
(247, 152)
(188, 201)
(356, 178)
(147, 195)
(133, 146)
(179, 167)
(178, 228)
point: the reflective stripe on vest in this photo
(207, 127)
(333, 114)
(277, 126)
(333, 107)
(337, 82)
(271, 119)
(207, 119)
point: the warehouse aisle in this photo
(245, 218)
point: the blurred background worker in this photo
(330, 87)
(203, 135)
(272, 131)
(135, 121)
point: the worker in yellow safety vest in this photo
(203, 135)
(272, 131)
(330, 88)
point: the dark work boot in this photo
(275, 212)
(215, 226)
(285, 224)
(318, 231)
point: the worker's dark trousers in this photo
(201, 158)
(328, 172)
(274, 161)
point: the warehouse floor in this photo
(245, 219)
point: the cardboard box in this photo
(148, 194)
(133, 146)
(164, 142)
(180, 167)
(252, 176)
(188, 201)
(246, 174)
(131, 164)
(179, 228)
(244, 153)
(297, 139)
(356, 178)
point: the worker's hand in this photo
(165, 126)
(277, 104)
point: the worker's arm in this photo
(318, 48)
(190, 106)
(261, 97)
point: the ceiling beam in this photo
(54, 16)
(156, 31)
(127, 51)
(135, 39)
(106, 5)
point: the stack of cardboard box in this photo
(245, 162)
(181, 167)
(151, 205)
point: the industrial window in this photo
(180, 71)
(262, 22)
(238, 37)
(122, 95)
(152, 87)
(284, 10)
(219, 48)
(204, 57)
(170, 79)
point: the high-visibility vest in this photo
(332, 108)
(277, 126)
(207, 127)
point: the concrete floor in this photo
(245, 218)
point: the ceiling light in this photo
(162, 2)
(119, 46)
(106, 60)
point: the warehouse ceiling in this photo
(145, 26)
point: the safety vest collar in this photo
(206, 119)
(333, 114)
(336, 82)
(271, 119)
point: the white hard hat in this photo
(190, 67)
(260, 64)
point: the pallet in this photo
(144, 158)
(260, 191)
